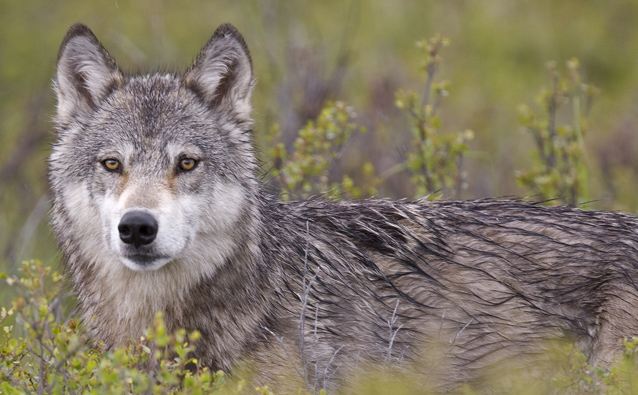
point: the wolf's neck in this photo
(120, 303)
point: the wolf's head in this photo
(155, 169)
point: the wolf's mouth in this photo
(145, 259)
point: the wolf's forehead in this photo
(154, 106)
(160, 83)
(156, 97)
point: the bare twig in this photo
(461, 331)
(325, 373)
(280, 340)
(304, 303)
(393, 331)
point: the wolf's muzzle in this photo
(138, 228)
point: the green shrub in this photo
(559, 169)
(45, 352)
(305, 172)
(436, 162)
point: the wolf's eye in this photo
(187, 164)
(111, 165)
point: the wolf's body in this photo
(158, 207)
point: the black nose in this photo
(137, 228)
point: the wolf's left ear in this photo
(222, 74)
(85, 74)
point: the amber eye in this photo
(111, 164)
(187, 164)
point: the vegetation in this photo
(55, 355)
(559, 169)
(319, 143)
(436, 164)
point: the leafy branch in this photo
(559, 168)
(436, 163)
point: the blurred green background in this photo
(362, 52)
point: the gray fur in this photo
(316, 287)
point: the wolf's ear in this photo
(222, 74)
(85, 74)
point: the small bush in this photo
(559, 169)
(45, 352)
(436, 161)
(305, 172)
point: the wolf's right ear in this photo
(222, 74)
(85, 74)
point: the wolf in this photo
(158, 206)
